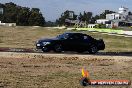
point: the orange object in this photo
(85, 81)
(85, 73)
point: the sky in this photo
(52, 9)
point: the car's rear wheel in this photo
(45, 49)
(93, 50)
(58, 48)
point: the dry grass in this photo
(47, 71)
(40, 71)
(25, 37)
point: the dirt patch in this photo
(36, 70)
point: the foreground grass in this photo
(25, 37)
(60, 72)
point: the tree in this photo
(80, 17)
(36, 18)
(100, 26)
(50, 24)
(64, 16)
(93, 19)
(10, 13)
(89, 17)
(86, 16)
(22, 16)
(103, 15)
(37, 10)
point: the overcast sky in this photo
(52, 9)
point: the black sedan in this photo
(78, 42)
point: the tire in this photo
(93, 50)
(45, 49)
(58, 48)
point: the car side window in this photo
(89, 38)
(85, 37)
(77, 37)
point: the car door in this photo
(82, 42)
(87, 41)
(75, 41)
(67, 42)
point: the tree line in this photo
(85, 17)
(22, 16)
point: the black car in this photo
(78, 42)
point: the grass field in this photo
(38, 70)
(22, 70)
(25, 37)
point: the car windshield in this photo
(63, 36)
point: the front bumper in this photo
(41, 46)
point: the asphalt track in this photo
(25, 50)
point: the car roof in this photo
(73, 33)
(76, 33)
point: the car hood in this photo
(48, 39)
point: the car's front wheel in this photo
(45, 49)
(93, 50)
(58, 48)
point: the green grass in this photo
(115, 43)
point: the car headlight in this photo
(46, 43)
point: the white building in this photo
(8, 24)
(117, 19)
(123, 11)
(101, 21)
(121, 15)
(116, 16)
(91, 25)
